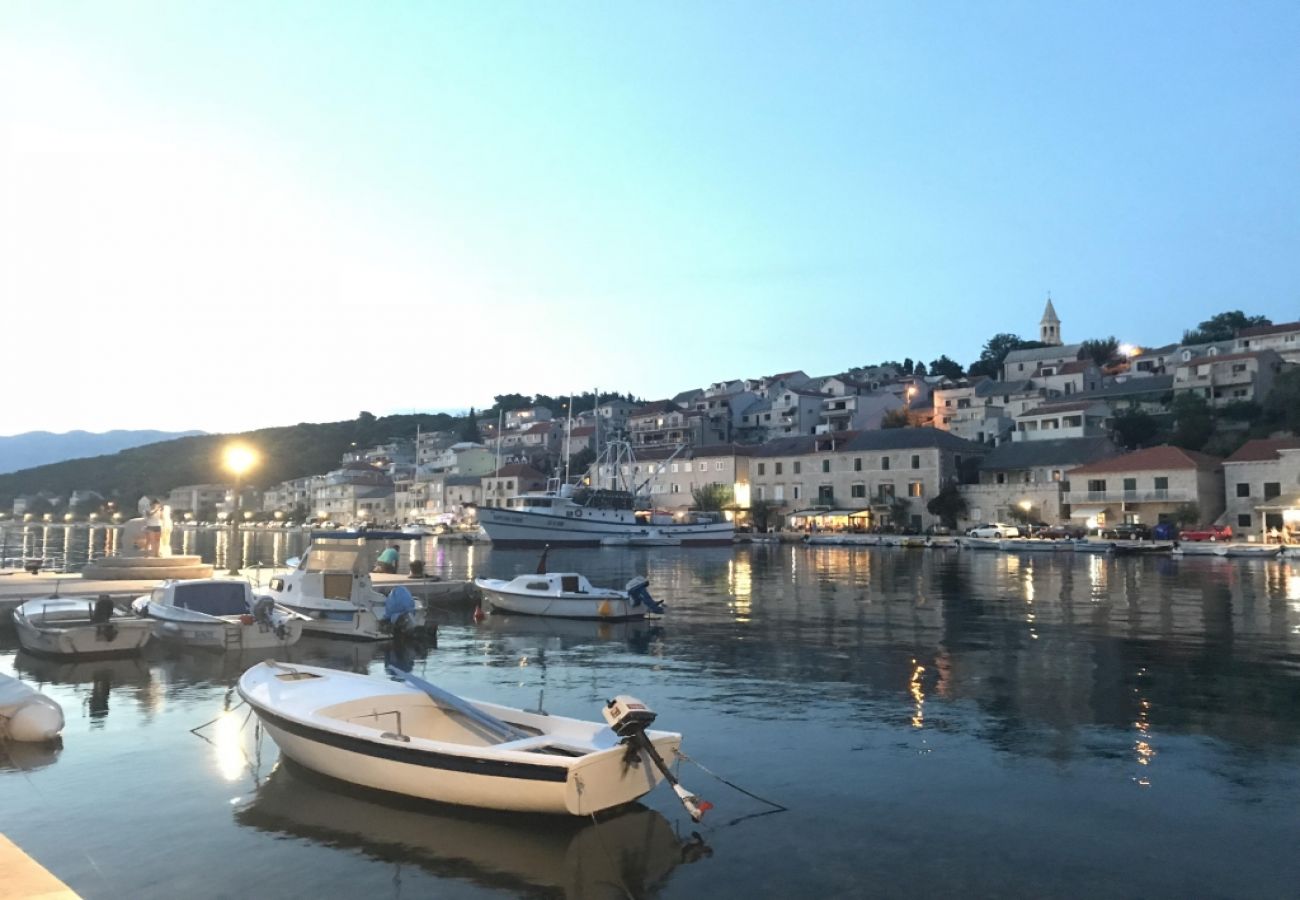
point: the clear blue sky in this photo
(483, 197)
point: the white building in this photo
(1262, 486)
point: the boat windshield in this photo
(333, 559)
(215, 598)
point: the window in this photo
(1243, 489)
(686, 467)
(826, 465)
(915, 489)
(886, 493)
(916, 461)
(858, 490)
(1272, 489)
(776, 468)
(758, 492)
(796, 491)
(1056, 474)
(674, 467)
(1243, 520)
(1162, 483)
(717, 466)
(762, 468)
(798, 467)
(778, 493)
(857, 464)
(1130, 484)
(1096, 485)
(1000, 478)
(884, 463)
(825, 493)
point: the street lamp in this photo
(238, 459)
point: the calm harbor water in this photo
(939, 724)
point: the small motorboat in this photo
(1036, 545)
(406, 736)
(1259, 551)
(980, 543)
(219, 613)
(568, 595)
(27, 715)
(330, 585)
(77, 626)
(1198, 548)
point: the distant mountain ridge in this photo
(39, 448)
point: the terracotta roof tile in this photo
(1260, 330)
(1152, 459)
(1263, 450)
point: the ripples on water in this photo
(940, 724)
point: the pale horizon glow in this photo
(247, 215)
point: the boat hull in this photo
(118, 638)
(511, 528)
(225, 635)
(609, 609)
(484, 777)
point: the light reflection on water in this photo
(940, 723)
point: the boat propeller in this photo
(629, 718)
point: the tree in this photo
(908, 366)
(895, 418)
(995, 351)
(949, 505)
(508, 402)
(1193, 421)
(1187, 514)
(582, 460)
(760, 513)
(946, 367)
(1100, 350)
(919, 370)
(1282, 407)
(1223, 327)
(469, 429)
(900, 509)
(1134, 428)
(712, 497)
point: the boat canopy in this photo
(331, 557)
(212, 598)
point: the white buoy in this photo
(26, 714)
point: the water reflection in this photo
(631, 854)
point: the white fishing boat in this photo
(1198, 548)
(981, 543)
(1036, 545)
(219, 613)
(1253, 551)
(408, 737)
(330, 585)
(609, 503)
(78, 626)
(26, 714)
(567, 595)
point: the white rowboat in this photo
(76, 626)
(566, 595)
(391, 736)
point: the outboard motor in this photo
(399, 610)
(628, 718)
(638, 591)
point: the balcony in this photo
(1176, 495)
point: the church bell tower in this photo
(1049, 329)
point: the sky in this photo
(230, 215)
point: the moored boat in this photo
(330, 586)
(1260, 551)
(220, 614)
(568, 595)
(408, 737)
(77, 626)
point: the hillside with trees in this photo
(285, 452)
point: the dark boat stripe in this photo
(496, 768)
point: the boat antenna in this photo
(541, 563)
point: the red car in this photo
(1207, 533)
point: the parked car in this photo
(1063, 532)
(994, 530)
(1207, 533)
(1127, 531)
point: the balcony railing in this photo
(1151, 496)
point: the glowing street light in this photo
(238, 459)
